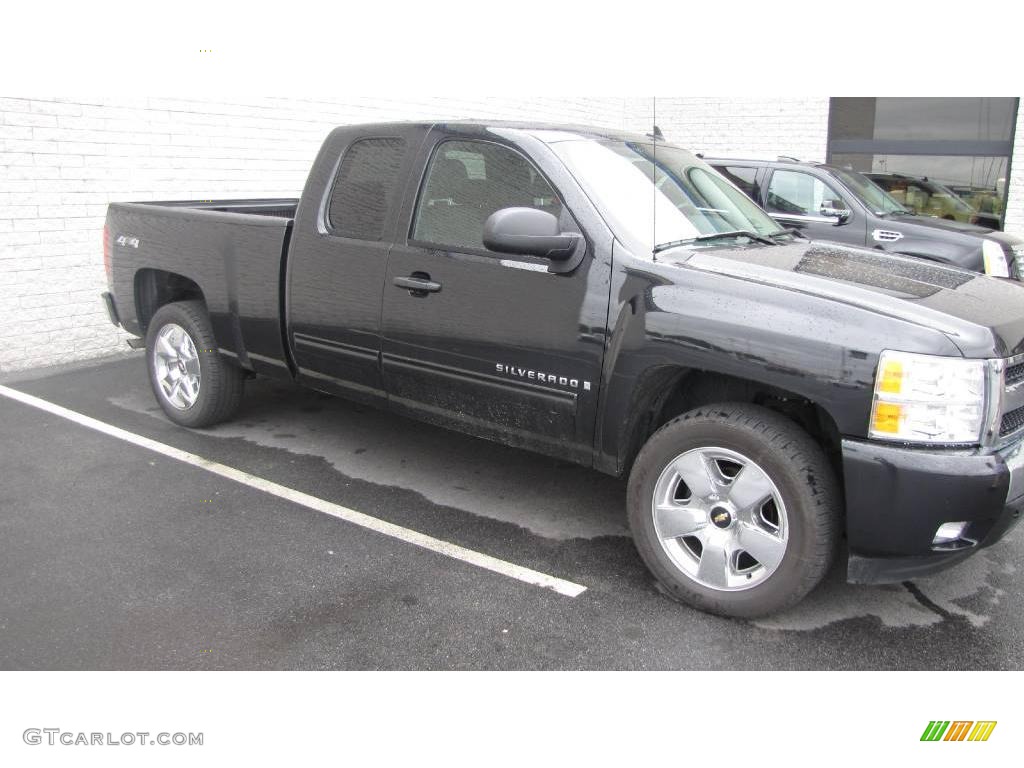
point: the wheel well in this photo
(154, 288)
(668, 393)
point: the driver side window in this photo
(800, 194)
(466, 182)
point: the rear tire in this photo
(735, 510)
(193, 383)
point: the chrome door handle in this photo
(418, 284)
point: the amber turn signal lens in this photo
(891, 379)
(887, 418)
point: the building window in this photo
(945, 146)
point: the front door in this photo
(492, 344)
(804, 202)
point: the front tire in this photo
(735, 510)
(194, 385)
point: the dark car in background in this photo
(826, 202)
(929, 198)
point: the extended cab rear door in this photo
(338, 258)
(493, 344)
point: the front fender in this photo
(667, 320)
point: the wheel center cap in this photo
(721, 517)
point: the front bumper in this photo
(897, 497)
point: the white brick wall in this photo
(747, 127)
(1014, 221)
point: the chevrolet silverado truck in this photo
(610, 299)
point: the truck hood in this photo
(983, 316)
(967, 233)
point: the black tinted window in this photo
(365, 188)
(742, 177)
(466, 183)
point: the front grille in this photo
(1011, 400)
(1014, 374)
(1012, 421)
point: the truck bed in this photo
(234, 249)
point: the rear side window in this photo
(365, 188)
(742, 176)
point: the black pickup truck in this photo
(610, 299)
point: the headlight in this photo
(928, 399)
(995, 259)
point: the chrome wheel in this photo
(176, 366)
(720, 519)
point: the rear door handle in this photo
(418, 284)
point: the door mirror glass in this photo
(529, 232)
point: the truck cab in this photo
(391, 281)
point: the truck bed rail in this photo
(282, 207)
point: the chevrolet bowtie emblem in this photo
(721, 517)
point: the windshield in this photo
(872, 195)
(946, 197)
(660, 195)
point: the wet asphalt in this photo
(114, 557)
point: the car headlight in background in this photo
(928, 399)
(994, 257)
(1018, 258)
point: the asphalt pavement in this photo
(113, 556)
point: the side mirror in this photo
(529, 232)
(841, 215)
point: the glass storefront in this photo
(946, 157)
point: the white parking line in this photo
(478, 559)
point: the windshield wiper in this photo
(736, 233)
(714, 236)
(671, 244)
